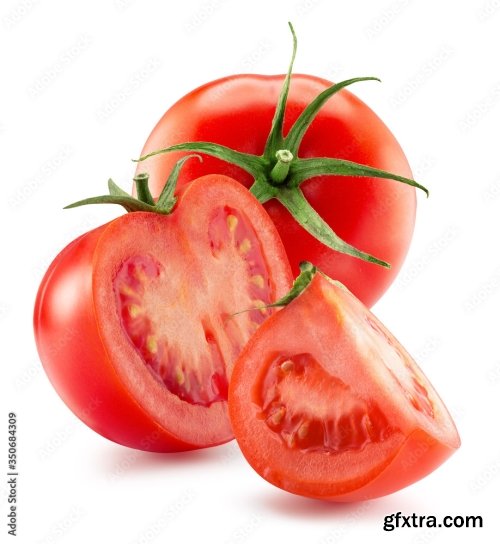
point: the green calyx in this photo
(144, 201)
(301, 282)
(307, 273)
(279, 172)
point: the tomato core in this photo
(139, 285)
(313, 411)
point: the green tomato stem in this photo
(280, 170)
(143, 192)
(144, 201)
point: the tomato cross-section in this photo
(338, 420)
(326, 403)
(147, 303)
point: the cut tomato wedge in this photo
(326, 403)
(146, 306)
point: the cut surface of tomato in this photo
(326, 403)
(338, 420)
(150, 299)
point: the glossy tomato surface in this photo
(326, 403)
(133, 320)
(374, 215)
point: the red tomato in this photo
(326, 403)
(133, 320)
(376, 216)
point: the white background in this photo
(82, 85)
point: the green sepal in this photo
(166, 200)
(130, 203)
(115, 190)
(303, 169)
(307, 273)
(299, 128)
(296, 203)
(252, 164)
(275, 139)
(263, 191)
(144, 201)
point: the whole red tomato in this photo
(296, 158)
(134, 320)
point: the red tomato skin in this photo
(374, 215)
(413, 452)
(418, 457)
(69, 334)
(75, 359)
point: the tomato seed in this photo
(258, 280)
(232, 222)
(245, 246)
(152, 344)
(303, 431)
(179, 376)
(134, 311)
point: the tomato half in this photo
(134, 320)
(326, 403)
(376, 216)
